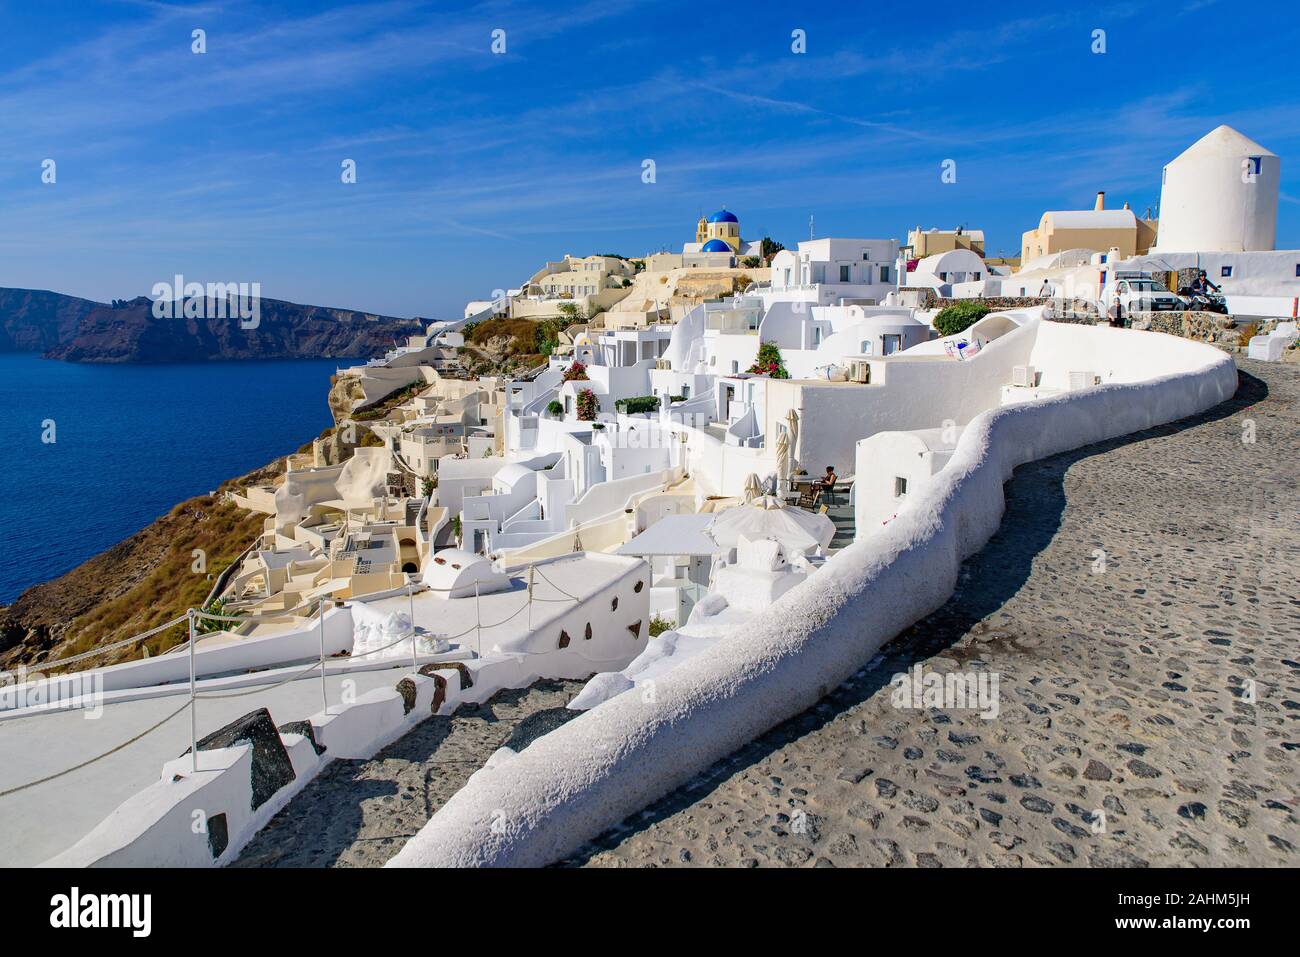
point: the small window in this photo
(884, 274)
(844, 273)
(1225, 272)
(900, 486)
(735, 366)
(866, 255)
(1297, 270)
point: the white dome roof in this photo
(954, 260)
(1222, 141)
(453, 572)
(509, 475)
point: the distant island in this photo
(81, 330)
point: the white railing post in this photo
(410, 604)
(324, 697)
(530, 598)
(478, 623)
(194, 723)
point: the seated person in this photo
(826, 485)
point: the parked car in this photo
(1140, 294)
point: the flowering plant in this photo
(588, 406)
(769, 362)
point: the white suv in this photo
(1141, 295)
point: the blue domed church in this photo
(720, 230)
(720, 233)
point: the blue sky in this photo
(474, 168)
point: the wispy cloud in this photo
(472, 168)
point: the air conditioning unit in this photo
(860, 371)
(1024, 377)
(1083, 380)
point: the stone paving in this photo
(1140, 609)
(360, 813)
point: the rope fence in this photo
(193, 616)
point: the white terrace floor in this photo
(39, 822)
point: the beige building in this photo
(932, 242)
(592, 283)
(1098, 228)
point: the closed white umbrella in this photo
(782, 458)
(766, 517)
(753, 487)
(792, 426)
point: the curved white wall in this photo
(588, 775)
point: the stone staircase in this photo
(845, 526)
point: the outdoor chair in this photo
(1269, 348)
(828, 493)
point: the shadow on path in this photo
(1035, 503)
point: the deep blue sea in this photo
(130, 442)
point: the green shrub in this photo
(659, 625)
(638, 404)
(554, 409)
(206, 626)
(547, 335)
(769, 362)
(959, 317)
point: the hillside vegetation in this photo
(504, 346)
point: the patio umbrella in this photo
(792, 426)
(753, 487)
(782, 458)
(767, 517)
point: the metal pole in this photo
(530, 598)
(194, 724)
(410, 602)
(478, 623)
(324, 698)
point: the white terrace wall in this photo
(155, 827)
(295, 643)
(722, 469)
(574, 783)
(907, 392)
